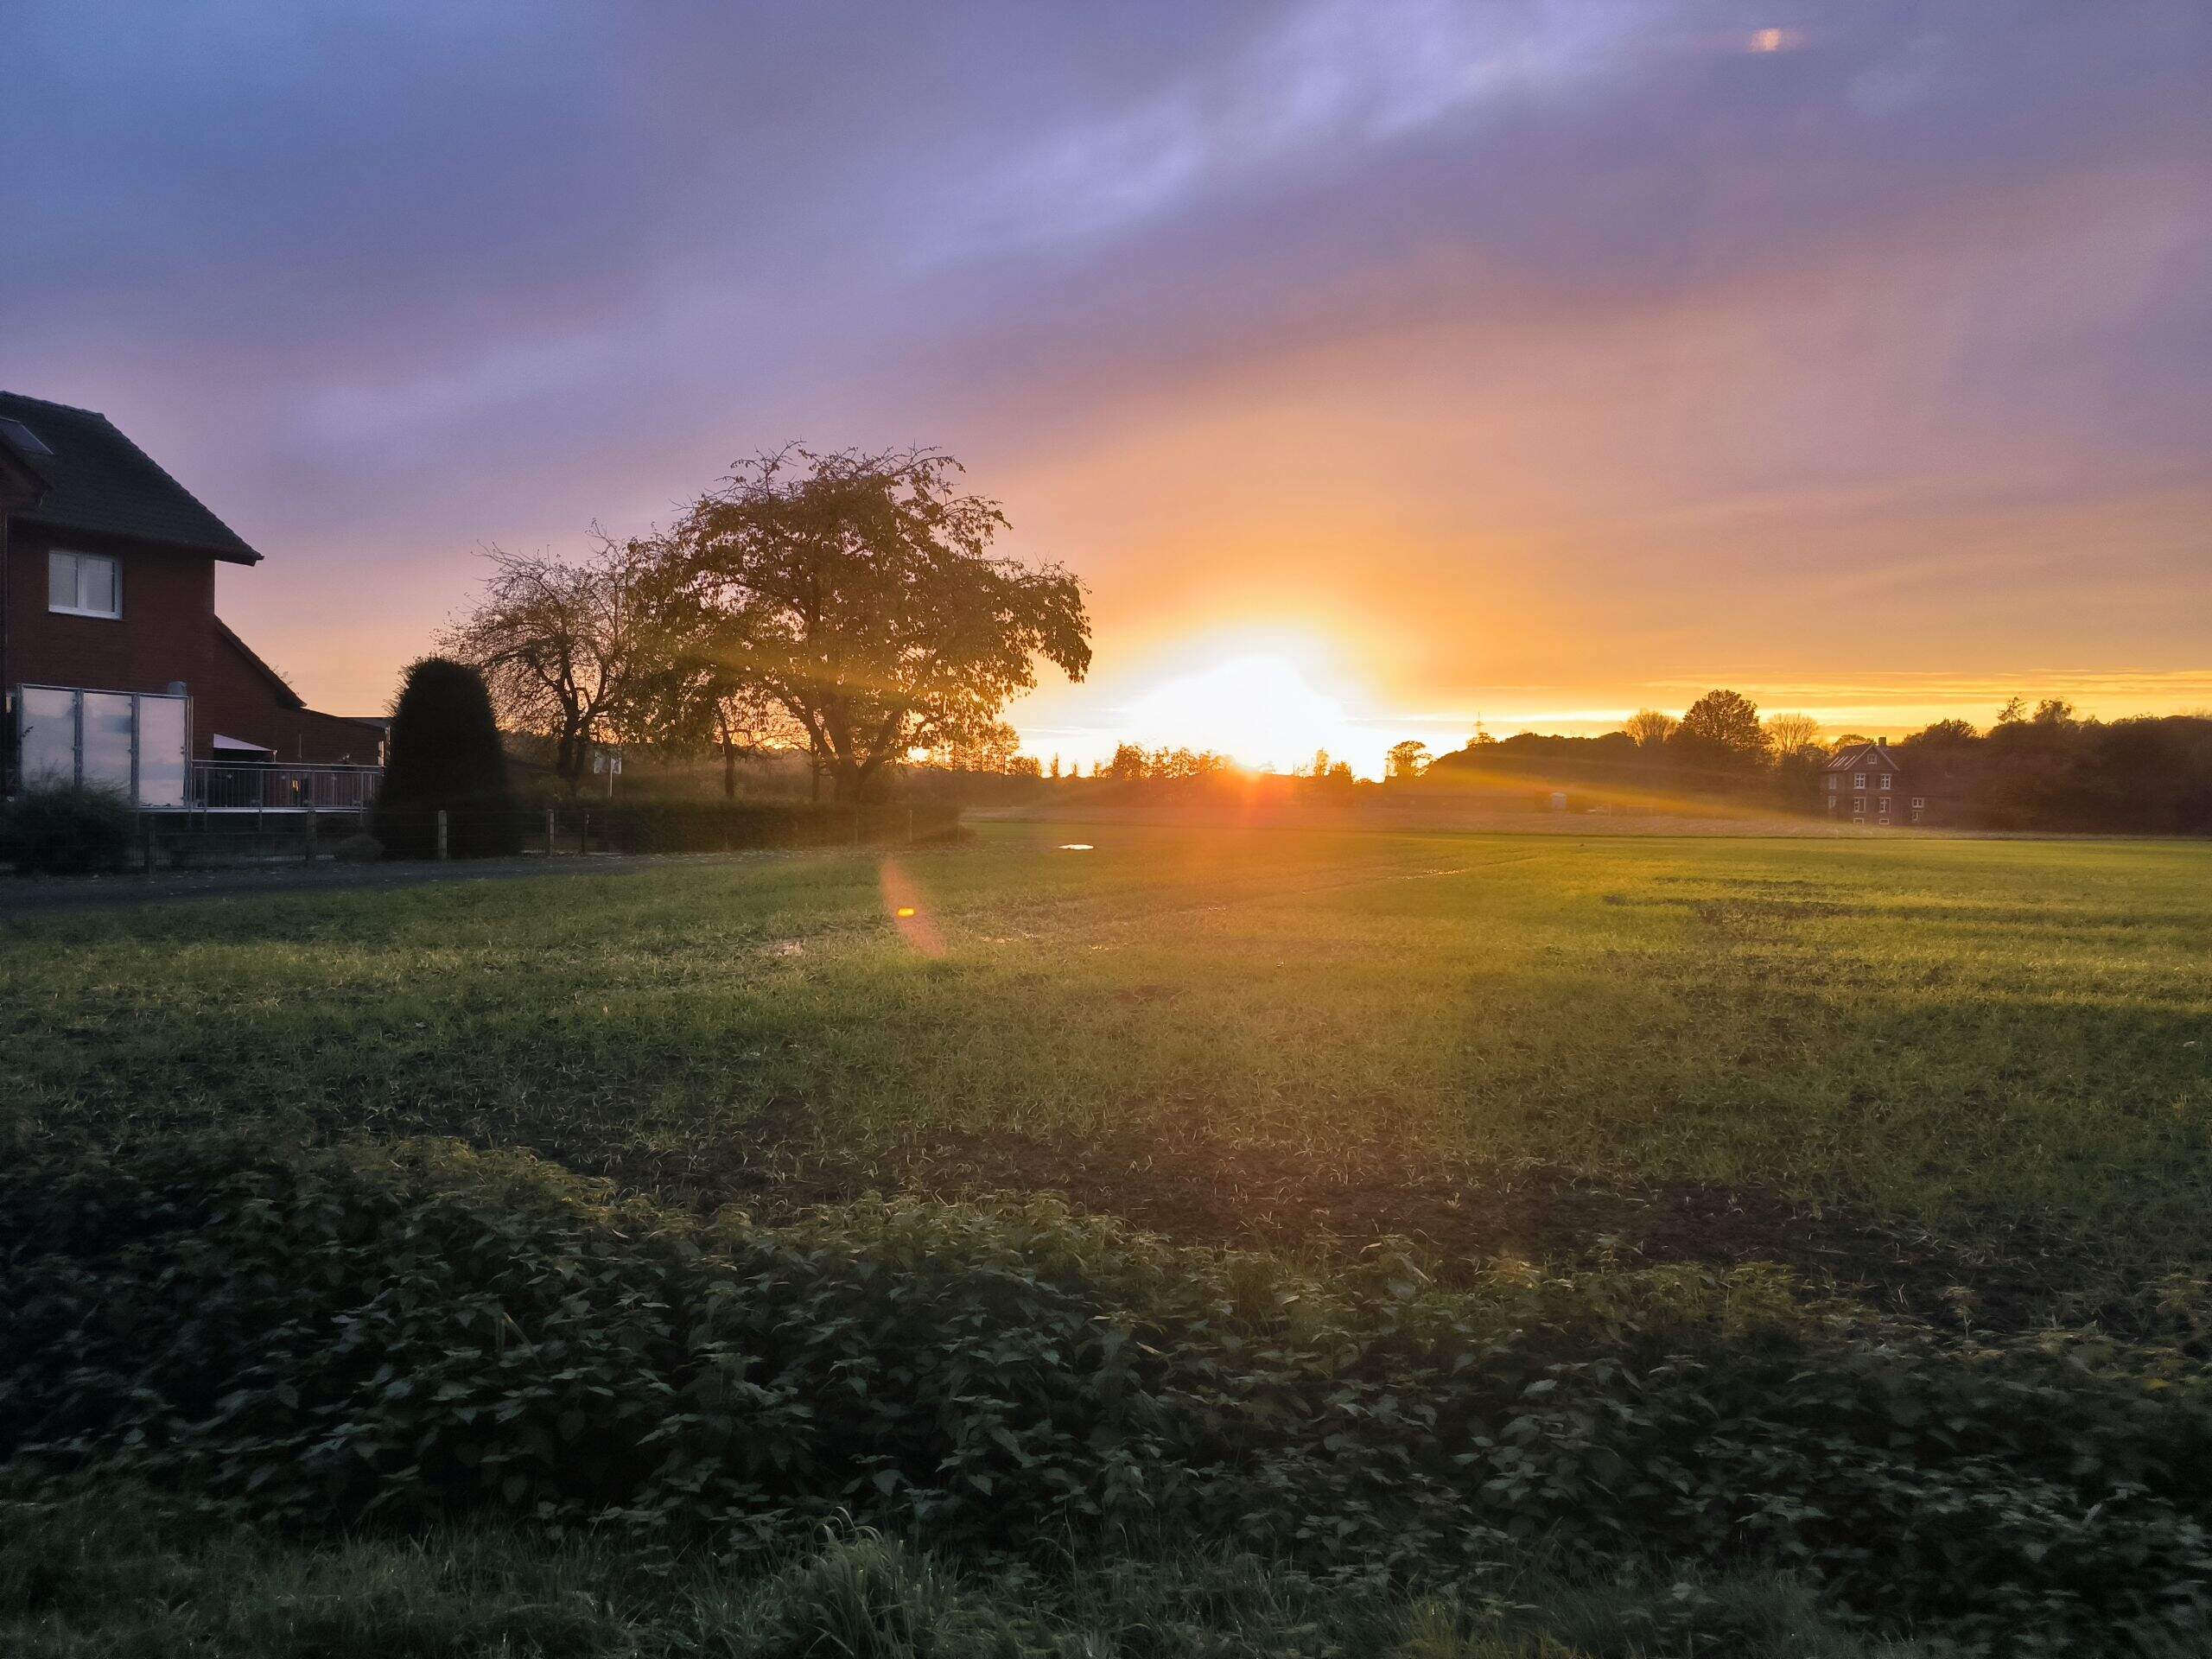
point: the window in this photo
(1916, 815)
(136, 744)
(1859, 780)
(83, 584)
(1919, 801)
(1886, 806)
(1885, 780)
(1834, 784)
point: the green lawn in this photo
(1996, 1056)
(260, 1396)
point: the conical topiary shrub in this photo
(446, 754)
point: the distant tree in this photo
(445, 753)
(1948, 734)
(992, 748)
(563, 647)
(1721, 728)
(2014, 711)
(1405, 762)
(2054, 711)
(1791, 735)
(1650, 727)
(1130, 764)
(858, 592)
(1055, 773)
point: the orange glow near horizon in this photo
(1259, 707)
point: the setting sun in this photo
(1259, 710)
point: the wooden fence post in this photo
(307, 840)
(441, 833)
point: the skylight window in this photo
(22, 438)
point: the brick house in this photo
(1866, 783)
(115, 668)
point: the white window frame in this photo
(1916, 815)
(1859, 780)
(1887, 778)
(1919, 801)
(1834, 783)
(77, 583)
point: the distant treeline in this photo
(2042, 769)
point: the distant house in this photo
(1867, 783)
(115, 668)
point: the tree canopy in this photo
(1722, 727)
(858, 594)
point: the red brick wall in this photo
(169, 604)
(166, 633)
(232, 696)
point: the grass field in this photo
(1510, 1136)
(1985, 1061)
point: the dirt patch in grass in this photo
(1199, 1189)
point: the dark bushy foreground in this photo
(103, 1573)
(64, 830)
(408, 1337)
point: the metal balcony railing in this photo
(272, 787)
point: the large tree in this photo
(1721, 728)
(565, 648)
(690, 693)
(857, 592)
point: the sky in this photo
(1381, 365)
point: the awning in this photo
(239, 746)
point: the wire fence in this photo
(465, 830)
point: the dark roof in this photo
(100, 482)
(1876, 753)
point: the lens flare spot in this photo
(902, 899)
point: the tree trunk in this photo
(729, 771)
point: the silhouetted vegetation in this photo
(2049, 769)
(841, 604)
(64, 830)
(446, 755)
